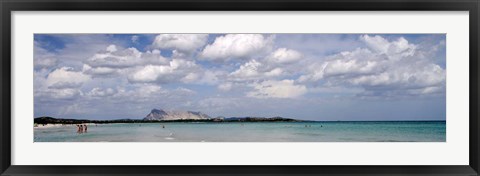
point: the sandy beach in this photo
(56, 125)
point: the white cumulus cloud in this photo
(284, 56)
(386, 68)
(113, 60)
(66, 77)
(237, 46)
(392, 48)
(123, 58)
(254, 70)
(58, 94)
(277, 89)
(178, 70)
(100, 92)
(186, 43)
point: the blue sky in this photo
(302, 76)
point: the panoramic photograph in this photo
(223, 87)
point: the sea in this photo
(330, 131)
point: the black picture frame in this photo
(7, 6)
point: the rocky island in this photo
(159, 115)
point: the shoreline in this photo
(51, 125)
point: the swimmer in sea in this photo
(80, 128)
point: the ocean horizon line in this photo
(207, 120)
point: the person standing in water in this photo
(85, 128)
(80, 128)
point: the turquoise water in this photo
(250, 132)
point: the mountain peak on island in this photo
(158, 111)
(159, 114)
